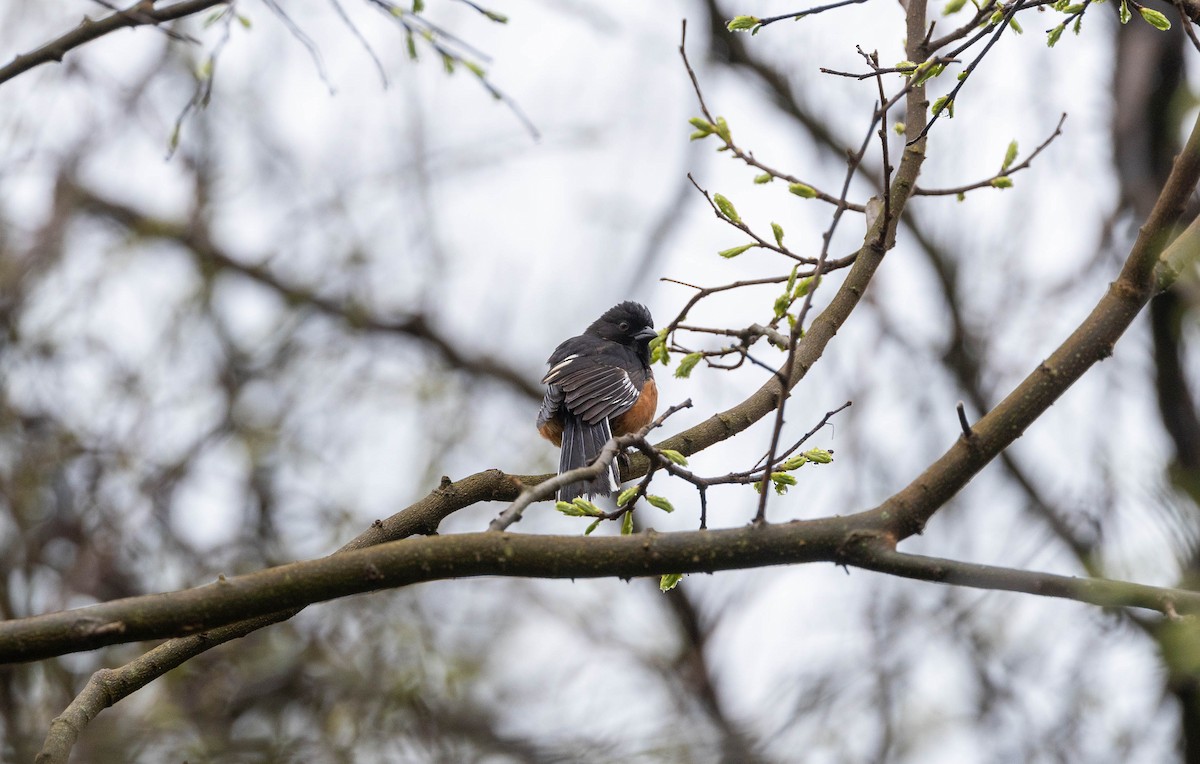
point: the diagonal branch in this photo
(141, 13)
(1148, 268)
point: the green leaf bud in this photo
(674, 456)
(794, 463)
(722, 130)
(587, 508)
(945, 102)
(686, 364)
(658, 349)
(568, 509)
(1009, 156)
(1155, 19)
(805, 285)
(782, 303)
(726, 207)
(818, 455)
(782, 481)
(742, 23)
(660, 502)
(735, 251)
(927, 72)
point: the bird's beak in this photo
(646, 334)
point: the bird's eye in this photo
(623, 326)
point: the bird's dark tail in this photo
(581, 444)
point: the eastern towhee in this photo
(599, 385)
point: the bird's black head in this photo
(629, 324)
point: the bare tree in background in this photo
(236, 359)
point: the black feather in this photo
(581, 444)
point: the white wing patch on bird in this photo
(558, 368)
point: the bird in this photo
(599, 385)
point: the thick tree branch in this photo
(851, 540)
(412, 561)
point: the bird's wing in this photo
(592, 386)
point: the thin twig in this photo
(358, 35)
(962, 420)
(746, 156)
(313, 52)
(883, 140)
(1187, 20)
(142, 13)
(741, 226)
(547, 488)
(810, 12)
(948, 103)
(987, 182)
(804, 438)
